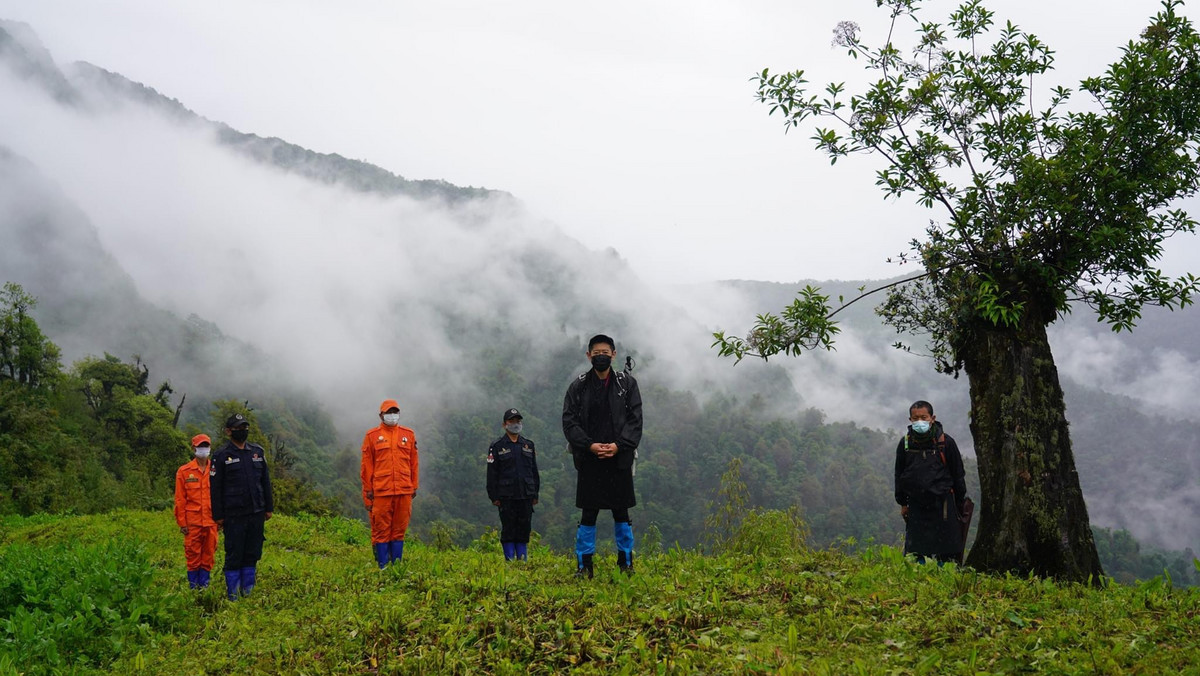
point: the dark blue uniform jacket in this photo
(239, 482)
(512, 471)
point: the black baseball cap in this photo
(512, 414)
(236, 420)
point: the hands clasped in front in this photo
(603, 451)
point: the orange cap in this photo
(388, 403)
(199, 439)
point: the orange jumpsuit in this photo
(193, 509)
(389, 480)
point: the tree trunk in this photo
(1032, 515)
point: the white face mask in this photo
(391, 419)
(202, 452)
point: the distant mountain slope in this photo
(88, 304)
(83, 82)
(339, 284)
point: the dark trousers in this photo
(589, 516)
(516, 520)
(243, 540)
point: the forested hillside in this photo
(305, 288)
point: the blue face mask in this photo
(921, 426)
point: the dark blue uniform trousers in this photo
(243, 540)
(516, 520)
(243, 548)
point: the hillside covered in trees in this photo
(163, 304)
(101, 436)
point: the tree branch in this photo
(882, 288)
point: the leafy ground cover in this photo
(107, 594)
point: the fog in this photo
(349, 292)
(359, 297)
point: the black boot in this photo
(625, 562)
(585, 567)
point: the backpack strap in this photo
(622, 384)
(941, 446)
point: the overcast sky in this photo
(628, 124)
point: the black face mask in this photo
(601, 362)
(239, 436)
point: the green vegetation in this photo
(97, 438)
(322, 607)
(1048, 206)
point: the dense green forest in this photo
(102, 435)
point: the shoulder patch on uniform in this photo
(491, 458)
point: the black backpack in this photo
(925, 477)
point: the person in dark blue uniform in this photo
(513, 484)
(241, 503)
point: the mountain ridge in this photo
(492, 311)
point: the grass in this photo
(322, 607)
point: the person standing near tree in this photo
(242, 502)
(390, 479)
(193, 513)
(930, 487)
(512, 485)
(602, 421)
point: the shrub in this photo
(770, 532)
(79, 606)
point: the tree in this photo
(1045, 209)
(26, 355)
(136, 428)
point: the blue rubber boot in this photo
(585, 547)
(249, 577)
(233, 579)
(623, 534)
(522, 551)
(203, 577)
(192, 582)
(381, 554)
(510, 550)
(396, 550)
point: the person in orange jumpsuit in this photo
(389, 482)
(193, 514)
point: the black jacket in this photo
(932, 527)
(625, 403)
(512, 471)
(239, 482)
(952, 462)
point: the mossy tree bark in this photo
(1033, 518)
